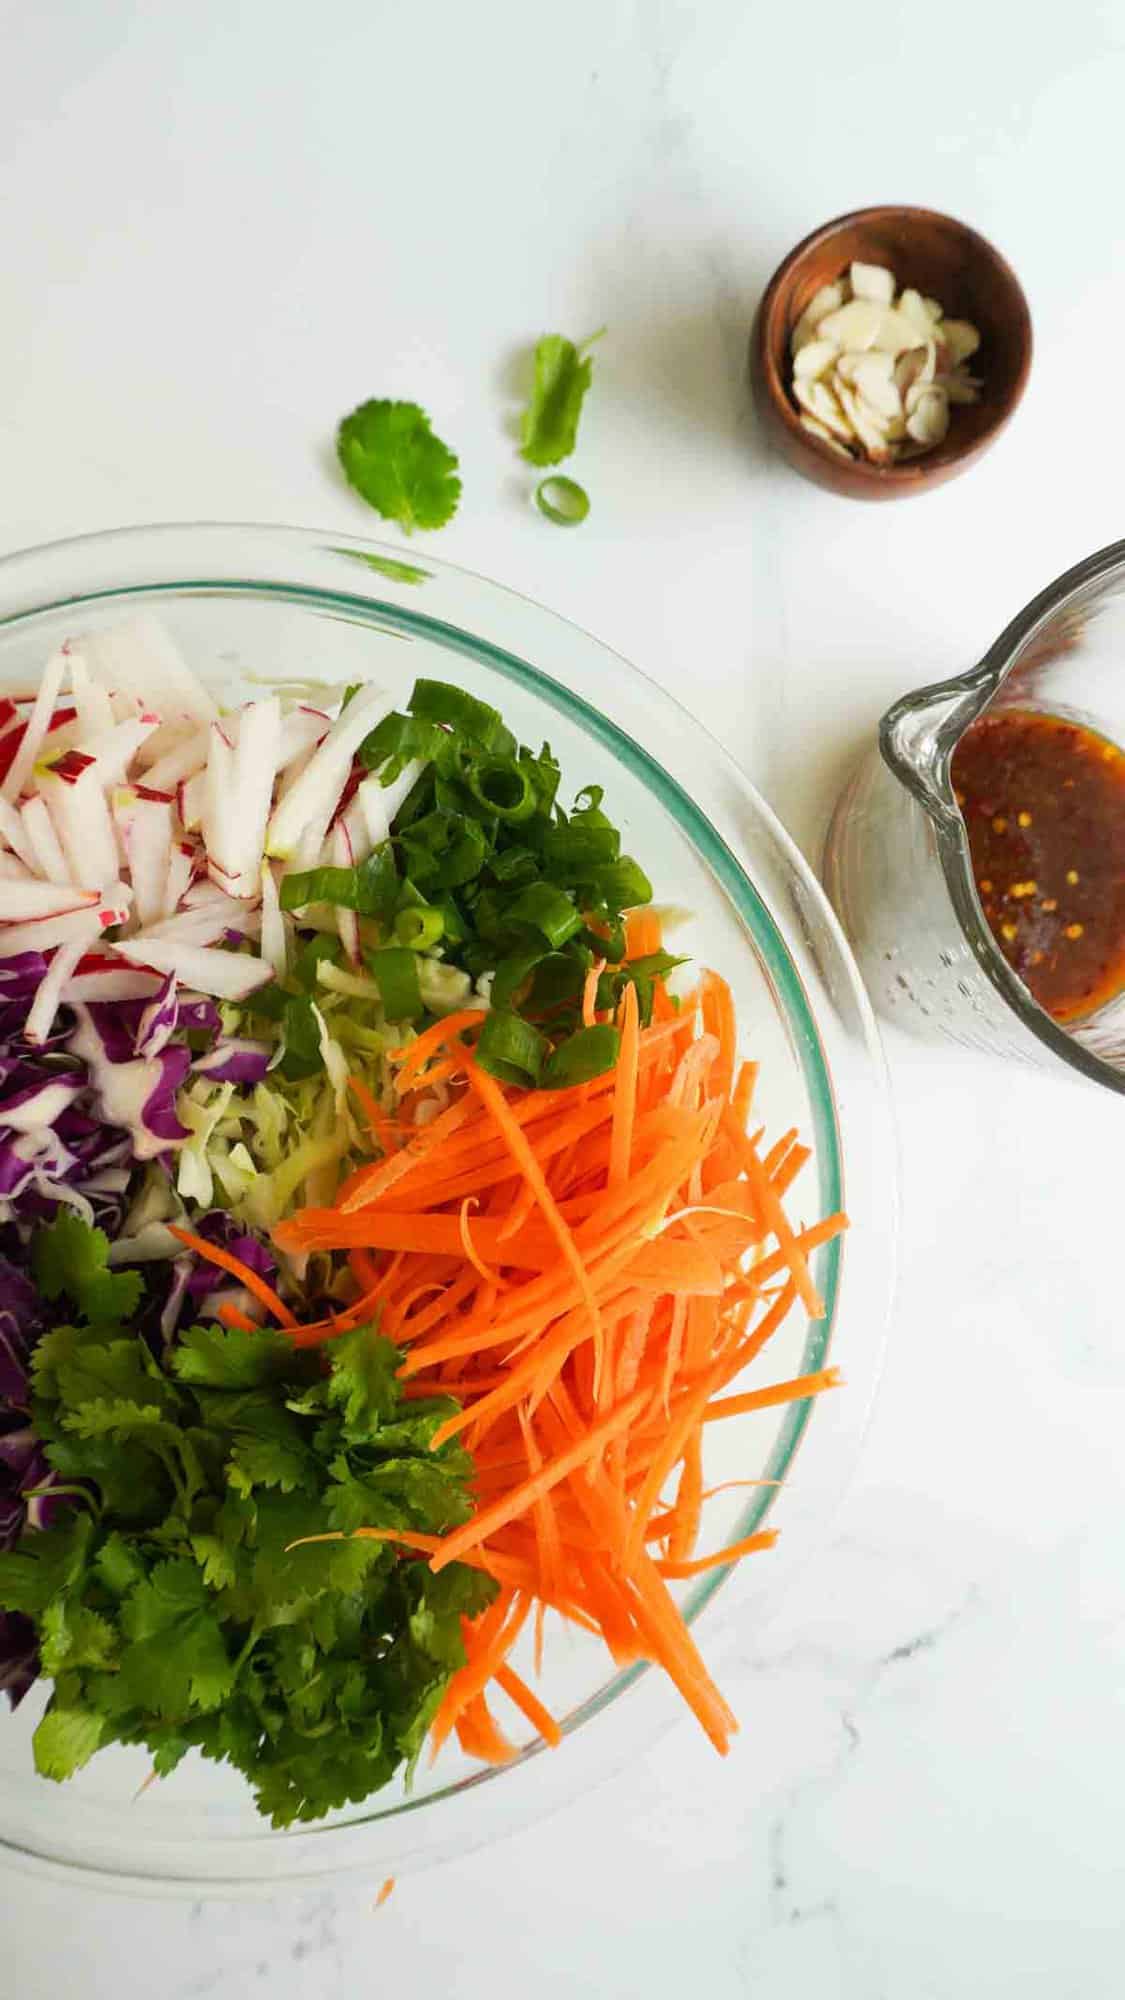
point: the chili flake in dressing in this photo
(1043, 801)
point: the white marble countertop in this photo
(225, 225)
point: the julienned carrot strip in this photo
(587, 1318)
(775, 1215)
(410, 1058)
(529, 1704)
(777, 1392)
(212, 1253)
(669, 1567)
(230, 1316)
(644, 933)
(524, 1496)
(489, 1091)
(625, 1090)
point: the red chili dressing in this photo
(1043, 801)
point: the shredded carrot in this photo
(385, 1890)
(589, 1274)
(539, 1717)
(644, 933)
(230, 1316)
(212, 1253)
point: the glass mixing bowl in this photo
(248, 604)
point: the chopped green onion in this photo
(512, 973)
(562, 500)
(573, 852)
(623, 884)
(502, 787)
(510, 1049)
(514, 867)
(419, 928)
(444, 850)
(399, 739)
(437, 701)
(372, 888)
(588, 1053)
(395, 972)
(548, 909)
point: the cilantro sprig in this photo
(391, 456)
(172, 1607)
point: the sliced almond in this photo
(960, 386)
(866, 424)
(814, 358)
(873, 281)
(818, 430)
(895, 333)
(935, 308)
(855, 325)
(928, 422)
(826, 300)
(913, 307)
(916, 364)
(818, 399)
(873, 381)
(960, 338)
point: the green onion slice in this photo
(562, 500)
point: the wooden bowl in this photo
(944, 260)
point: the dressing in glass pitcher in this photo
(977, 857)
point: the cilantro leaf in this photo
(176, 1657)
(362, 1384)
(70, 1258)
(65, 1740)
(549, 426)
(230, 1357)
(46, 1564)
(71, 1636)
(394, 461)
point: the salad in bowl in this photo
(390, 1219)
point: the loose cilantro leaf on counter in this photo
(179, 1604)
(391, 456)
(549, 427)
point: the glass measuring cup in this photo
(897, 863)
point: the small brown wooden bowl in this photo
(944, 260)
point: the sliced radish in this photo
(379, 803)
(48, 932)
(274, 947)
(191, 798)
(43, 840)
(182, 761)
(81, 819)
(144, 827)
(239, 788)
(226, 975)
(92, 703)
(115, 748)
(181, 864)
(45, 1006)
(140, 658)
(13, 831)
(168, 736)
(312, 801)
(23, 902)
(12, 869)
(99, 978)
(347, 922)
(203, 926)
(37, 725)
(301, 731)
(359, 835)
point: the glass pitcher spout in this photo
(897, 862)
